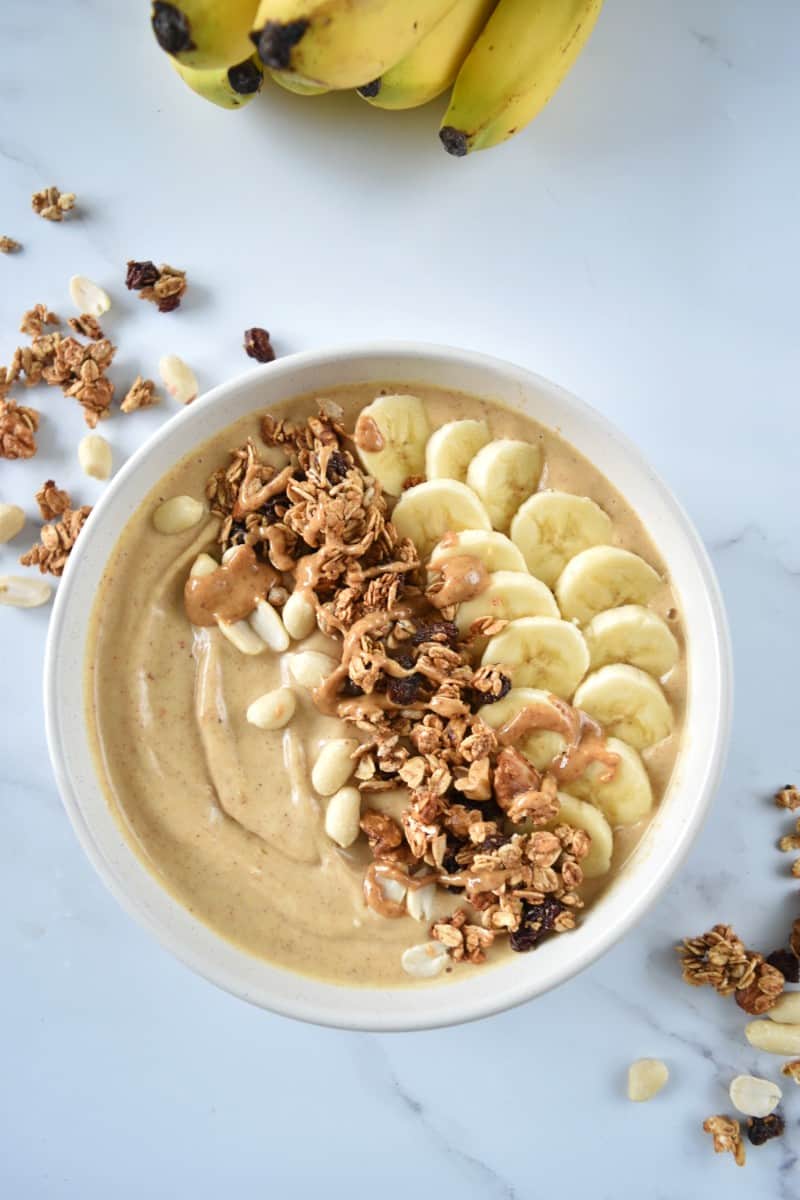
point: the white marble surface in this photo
(640, 247)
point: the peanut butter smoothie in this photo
(385, 686)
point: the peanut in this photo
(268, 625)
(310, 668)
(342, 816)
(299, 616)
(94, 456)
(773, 1037)
(12, 519)
(424, 960)
(334, 765)
(241, 635)
(273, 710)
(178, 514)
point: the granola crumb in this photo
(727, 1136)
(718, 958)
(34, 320)
(763, 1129)
(9, 246)
(51, 204)
(18, 427)
(87, 326)
(164, 286)
(762, 994)
(791, 1069)
(257, 345)
(53, 501)
(141, 394)
(788, 797)
(51, 552)
(791, 841)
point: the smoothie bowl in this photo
(387, 686)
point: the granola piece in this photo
(762, 994)
(53, 501)
(477, 783)
(87, 326)
(18, 426)
(164, 286)
(9, 246)
(383, 833)
(52, 204)
(35, 319)
(537, 921)
(727, 1136)
(141, 394)
(80, 371)
(490, 684)
(763, 1129)
(464, 942)
(50, 554)
(791, 841)
(788, 797)
(257, 345)
(718, 958)
(791, 1069)
(94, 392)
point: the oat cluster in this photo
(51, 552)
(163, 286)
(727, 1135)
(18, 426)
(141, 394)
(87, 326)
(9, 246)
(720, 959)
(52, 204)
(407, 682)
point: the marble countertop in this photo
(639, 246)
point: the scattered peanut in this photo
(178, 377)
(299, 616)
(646, 1078)
(94, 456)
(178, 514)
(786, 1010)
(12, 519)
(342, 816)
(204, 564)
(242, 635)
(88, 297)
(420, 902)
(334, 765)
(773, 1037)
(310, 667)
(269, 627)
(753, 1096)
(19, 592)
(425, 960)
(273, 710)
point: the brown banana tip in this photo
(454, 141)
(277, 40)
(245, 78)
(171, 27)
(368, 90)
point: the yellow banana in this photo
(204, 33)
(342, 43)
(230, 87)
(514, 68)
(300, 87)
(433, 64)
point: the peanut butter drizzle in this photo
(585, 738)
(461, 578)
(566, 720)
(258, 498)
(231, 592)
(367, 436)
(576, 759)
(326, 695)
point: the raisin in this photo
(337, 467)
(405, 659)
(761, 1129)
(493, 842)
(237, 533)
(785, 962)
(444, 632)
(406, 690)
(257, 345)
(171, 27)
(350, 689)
(537, 921)
(141, 274)
(478, 698)
(276, 41)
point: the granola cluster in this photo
(51, 552)
(18, 427)
(477, 810)
(141, 394)
(9, 246)
(163, 286)
(52, 204)
(727, 1135)
(719, 958)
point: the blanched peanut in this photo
(273, 710)
(310, 668)
(269, 627)
(334, 765)
(229, 553)
(425, 960)
(19, 592)
(12, 518)
(178, 377)
(391, 889)
(646, 1078)
(342, 816)
(204, 564)
(88, 297)
(241, 635)
(94, 456)
(299, 616)
(773, 1037)
(420, 902)
(753, 1096)
(178, 514)
(787, 1009)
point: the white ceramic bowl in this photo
(665, 843)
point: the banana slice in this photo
(428, 511)
(604, 577)
(541, 652)
(509, 595)
(585, 816)
(628, 703)
(495, 550)
(632, 634)
(452, 447)
(540, 746)
(627, 797)
(552, 527)
(504, 473)
(390, 437)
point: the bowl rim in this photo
(463, 1009)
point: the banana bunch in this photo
(504, 59)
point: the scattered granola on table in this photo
(51, 552)
(80, 370)
(788, 797)
(35, 319)
(87, 326)
(791, 1069)
(18, 427)
(727, 1136)
(9, 246)
(52, 204)
(164, 286)
(141, 394)
(53, 501)
(719, 958)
